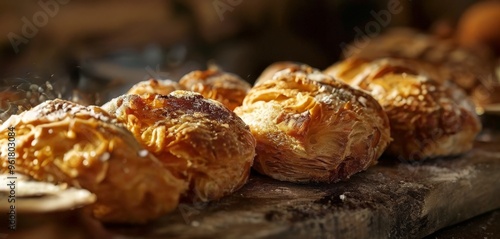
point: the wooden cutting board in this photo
(390, 200)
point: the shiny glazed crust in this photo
(63, 142)
(428, 118)
(198, 139)
(153, 86)
(312, 128)
(227, 88)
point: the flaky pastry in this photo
(198, 139)
(63, 142)
(153, 86)
(470, 67)
(227, 88)
(269, 72)
(429, 117)
(312, 128)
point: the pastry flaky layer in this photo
(198, 139)
(312, 128)
(154, 86)
(63, 142)
(429, 115)
(469, 67)
(269, 72)
(227, 88)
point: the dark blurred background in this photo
(114, 43)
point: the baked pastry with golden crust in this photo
(269, 72)
(312, 128)
(227, 88)
(429, 118)
(198, 139)
(153, 86)
(470, 67)
(63, 142)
